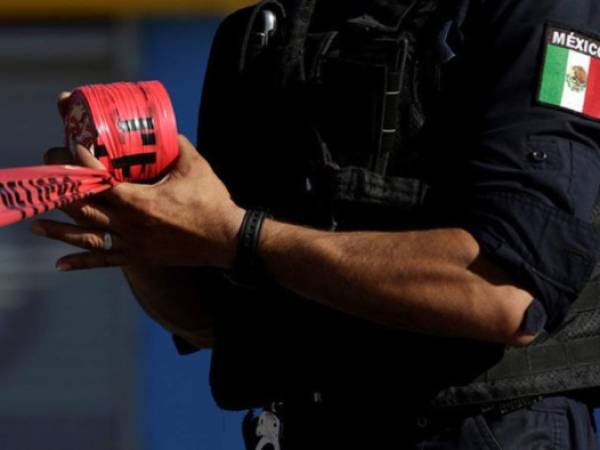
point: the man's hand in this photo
(178, 298)
(187, 219)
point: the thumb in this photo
(188, 158)
(128, 195)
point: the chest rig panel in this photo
(355, 100)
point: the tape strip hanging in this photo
(29, 191)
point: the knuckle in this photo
(88, 213)
(92, 241)
(143, 203)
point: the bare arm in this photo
(434, 282)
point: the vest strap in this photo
(588, 299)
(544, 358)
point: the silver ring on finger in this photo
(108, 241)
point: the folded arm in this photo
(433, 282)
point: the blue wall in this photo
(177, 409)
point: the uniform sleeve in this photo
(535, 166)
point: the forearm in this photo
(173, 297)
(433, 282)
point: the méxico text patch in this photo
(570, 77)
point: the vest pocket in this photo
(526, 428)
(357, 185)
(350, 114)
(476, 434)
(566, 171)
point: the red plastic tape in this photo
(27, 191)
(129, 127)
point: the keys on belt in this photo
(263, 432)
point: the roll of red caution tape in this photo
(129, 127)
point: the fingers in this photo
(90, 213)
(185, 144)
(85, 158)
(74, 212)
(58, 155)
(83, 237)
(96, 214)
(187, 152)
(63, 102)
(90, 260)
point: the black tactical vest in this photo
(323, 121)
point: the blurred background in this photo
(80, 365)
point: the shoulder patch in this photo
(570, 75)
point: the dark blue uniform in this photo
(508, 153)
(554, 423)
(533, 167)
(534, 174)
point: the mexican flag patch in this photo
(571, 72)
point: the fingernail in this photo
(36, 228)
(62, 266)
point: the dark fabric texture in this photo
(292, 54)
(531, 214)
(550, 424)
(554, 423)
(474, 86)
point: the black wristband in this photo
(247, 268)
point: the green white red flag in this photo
(571, 72)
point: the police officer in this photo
(396, 247)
